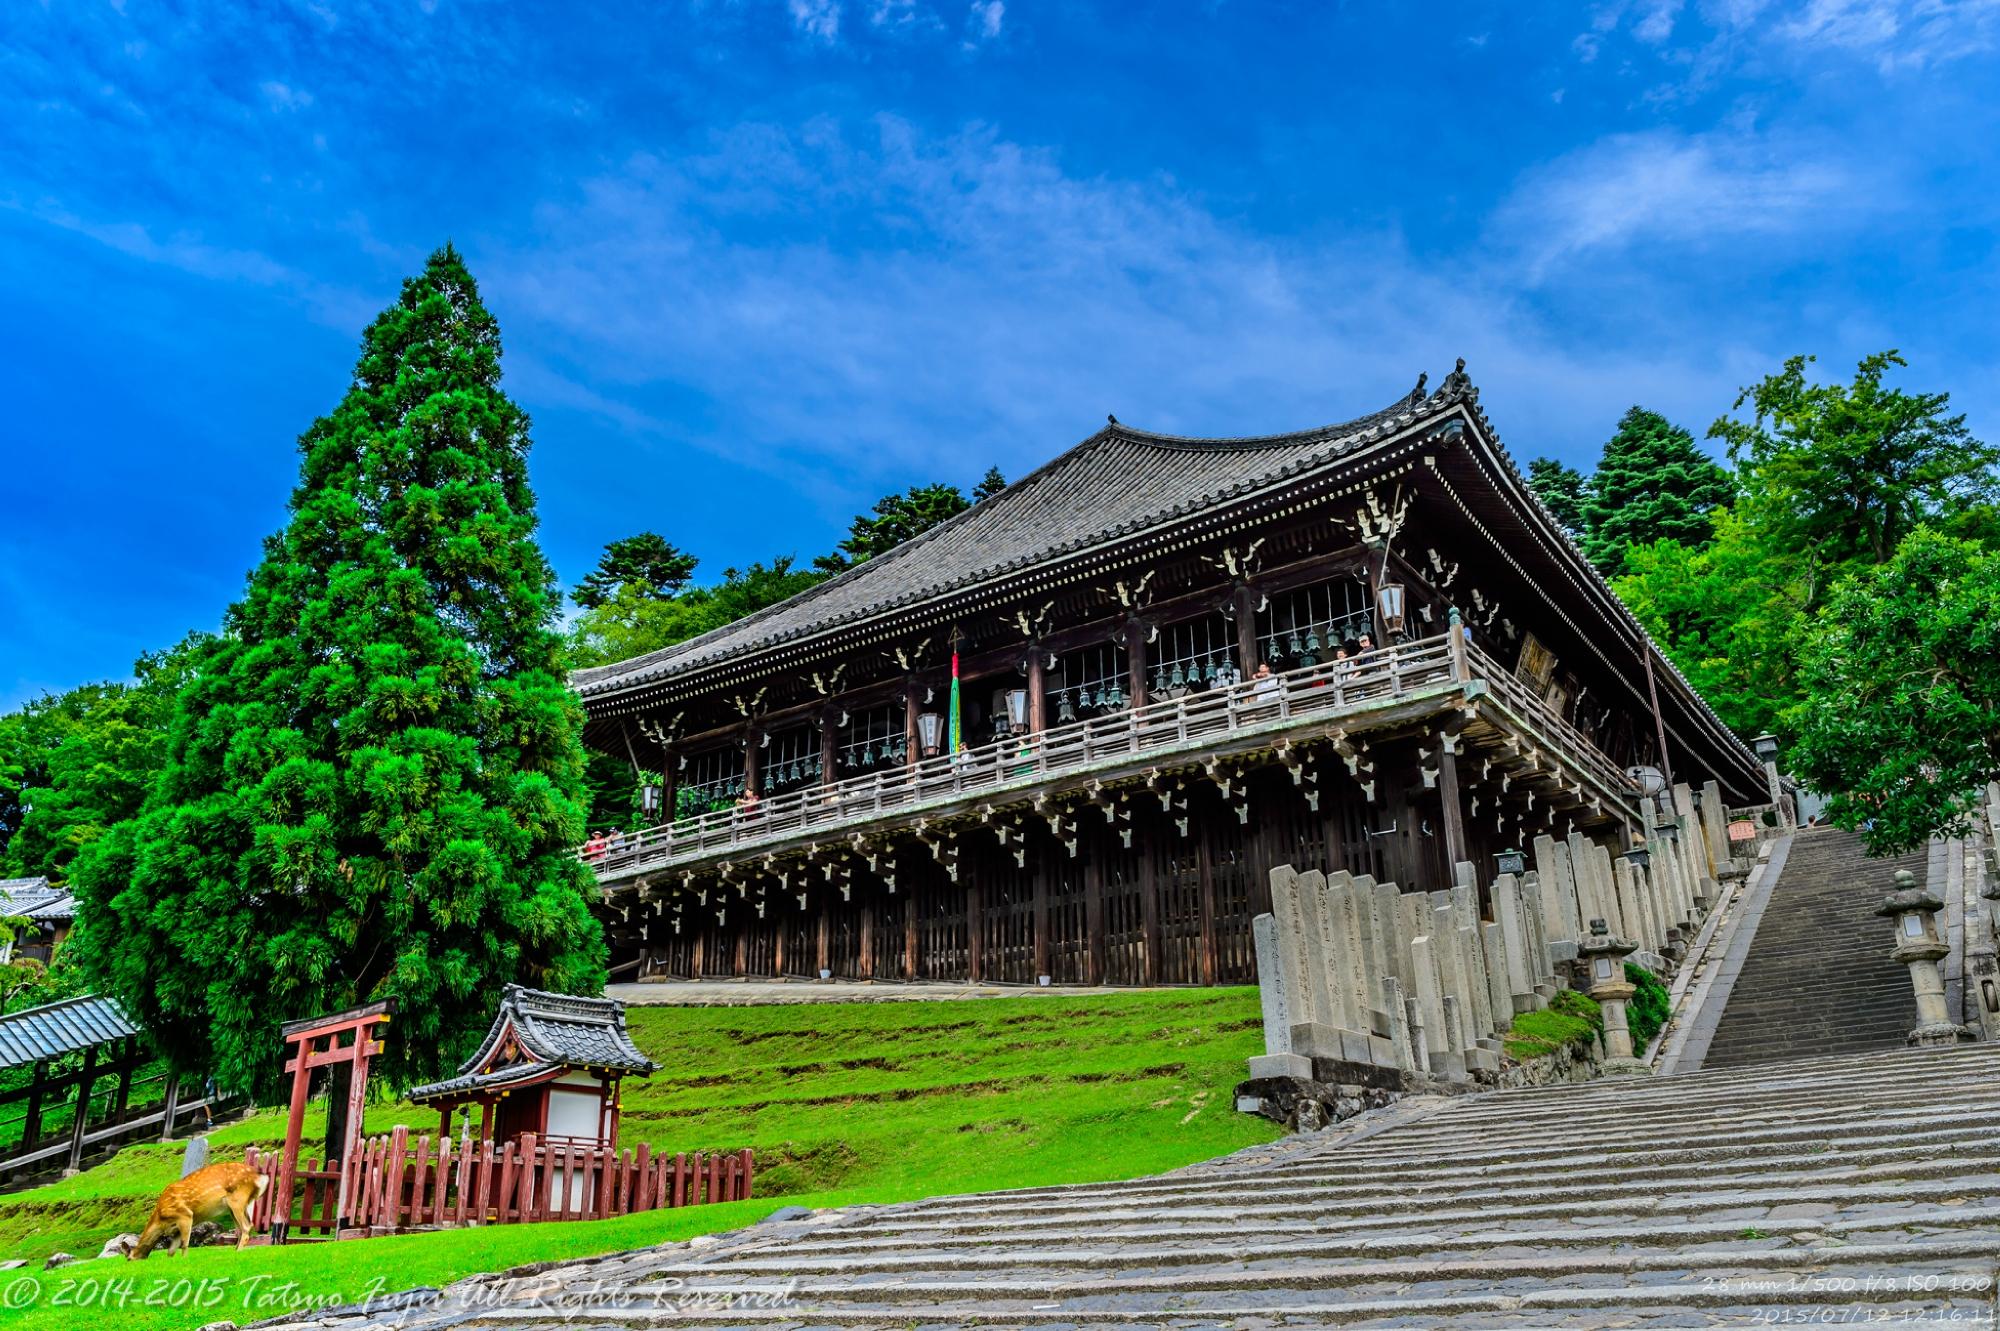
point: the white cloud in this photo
(1656, 21)
(1897, 34)
(984, 20)
(283, 97)
(819, 19)
(1664, 187)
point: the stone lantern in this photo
(1920, 947)
(1605, 955)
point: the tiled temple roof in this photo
(555, 1031)
(1116, 483)
(34, 899)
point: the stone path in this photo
(1861, 1188)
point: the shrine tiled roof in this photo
(64, 1027)
(555, 1031)
(34, 899)
(1117, 483)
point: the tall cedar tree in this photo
(373, 784)
(1563, 491)
(1652, 484)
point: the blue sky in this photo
(758, 262)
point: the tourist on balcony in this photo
(593, 849)
(1265, 687)
(616, 845)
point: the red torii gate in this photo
(315, 1042)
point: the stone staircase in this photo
(1857, 1188)
(1818, 978)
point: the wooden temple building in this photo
(1444, 677)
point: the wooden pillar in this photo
(31, 1126)
(868, 941)
(739, 960)
(1246, 630)
(778, 945)
(85, 1080)
(444, 1123)
(975, 932)
(829, 747)
(753, 758)
(1093, 916)
(1452, 809)
(1149, 909)
(913, 747)
(910, 935)
(487, 1109)
(669, 779)
(128, 1063)
(823, 944)
(170, 1106)
(295, 1122)
(1038, 698)
(1135, 663)
(1040, 909)
(1205, 870)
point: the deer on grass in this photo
(203, 1195)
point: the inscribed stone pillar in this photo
(1290, 918)
(1447, 947)
(1607, 891)
(1569, 897)
(1399, 1025)
(1535, 907)
(1476, 1003)
(1389, 908)
(1507, 907)
(1557, 922)
(1429, 997)
(1322, 954)
(1271, 969)
(1498, 997)
(1634, 923)
(1715, 828)
(1344, 921)
(1376, 949)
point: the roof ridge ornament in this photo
(1457, 382)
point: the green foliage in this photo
(1562, 490)
(73, 764)
(373, 781)
(647, 562)
(1843, 473)
(1726, 613)
(1649, 1007)
(844, 1103)
(898, 518)
(634, 621)
(1571, 1019)
(1651, 484)
(1899, 716)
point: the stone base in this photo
(1625, 1067)
(1307, 1105)
(1939, 1033)
(1281, 1065)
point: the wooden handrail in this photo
(1327, 688)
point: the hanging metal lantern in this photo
(1312, 640)
(1064, 712)
(1295, 644)
(1639, 857)
(930, 733)
(1389, 600)
(1017, 710)
(1114, 697)
(649, 799)
(1179, 678)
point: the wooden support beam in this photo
(1135, 663)
(1452, 809)
(1246, 629)
(77, 1128)
(1043, 868)
(975, 931)
(1038, 699)
(867, 966)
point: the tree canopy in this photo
(647, 562)
(374, 780)
(1653, 483)
(1562, 490)
(1899, 712)
(897, 518)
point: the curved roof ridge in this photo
(979, 559)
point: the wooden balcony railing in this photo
(1429, 665)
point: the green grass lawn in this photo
(843, 1103)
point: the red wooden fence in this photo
(393, 1184)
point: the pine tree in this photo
(1562, 490)
(1653, 483)
(649, 561)
(374, 780)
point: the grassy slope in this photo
(843, 1103)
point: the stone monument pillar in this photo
(1920, 947)
(1605, 956)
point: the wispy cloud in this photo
(1663, 187)
(818, 19)
(1897, 34)
(984, 19)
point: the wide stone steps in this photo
(1818, 978)
(1858, 1188)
